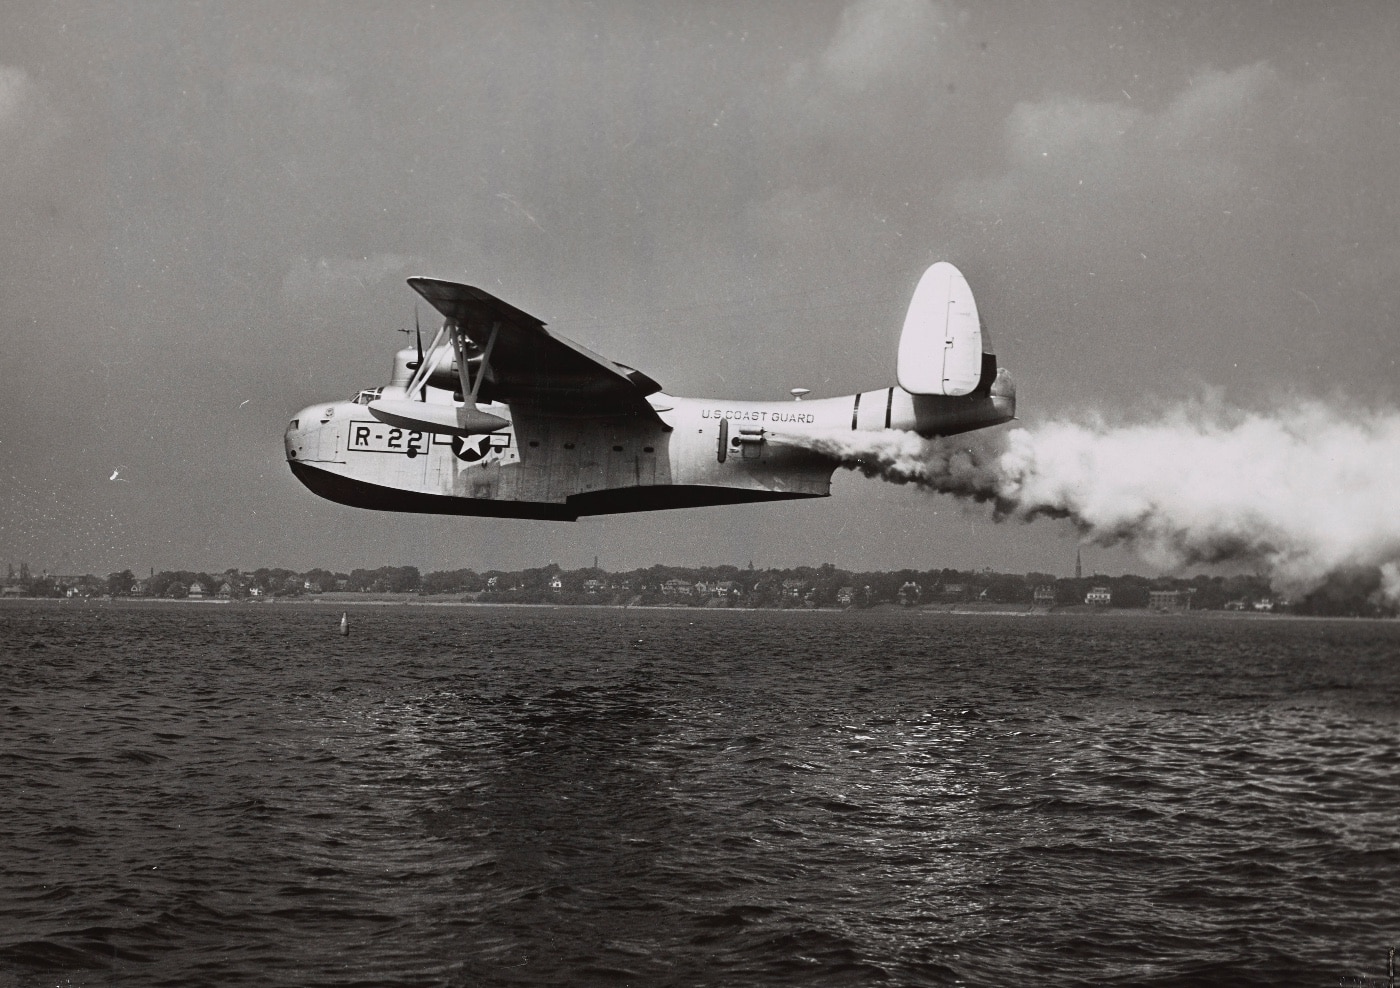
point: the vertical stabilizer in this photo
(940, 350)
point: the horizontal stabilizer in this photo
(448, 420)
(940, 350)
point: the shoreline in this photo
(414, 600)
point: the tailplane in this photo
(940, 350)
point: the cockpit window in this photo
(368, 395)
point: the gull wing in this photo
(529, 365)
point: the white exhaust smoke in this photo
(1303, 492)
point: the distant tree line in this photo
(1356, 593)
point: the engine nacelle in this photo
(444, 376)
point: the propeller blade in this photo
(426, 368)
(418, 332)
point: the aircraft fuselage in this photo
(695, 452)
(500, 416)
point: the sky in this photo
(210, 211)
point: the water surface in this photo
(235, 794)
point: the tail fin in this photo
(940, 350)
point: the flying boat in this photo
(500, 416)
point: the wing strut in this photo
(457, 341)
(464, 420)
(425, 369)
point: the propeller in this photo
(418, 332)
(426, 368)
(417, 365)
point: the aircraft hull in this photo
(359, 494)
(544, 466)
(691, 453)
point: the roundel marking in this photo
(465, 448)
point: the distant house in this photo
(1235, 605)
(594, 586)
(197, 591)
(846, 596)
(225, 591)
(1168, 600)
(794, 588)
(493, 583)
(556, 584)
(727, 588)
(910, 593)
(677, 588)
(1099, 597)
(1264, 604)
(1044, 596)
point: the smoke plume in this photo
(1303, 492)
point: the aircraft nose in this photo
(299, 429)
(290, 438)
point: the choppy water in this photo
(202, 794)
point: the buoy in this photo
(344, 623)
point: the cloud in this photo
(1201, 145)
(1215, 102)
(17, 95)
(880, 67)
(29, 128)
(879, 40)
